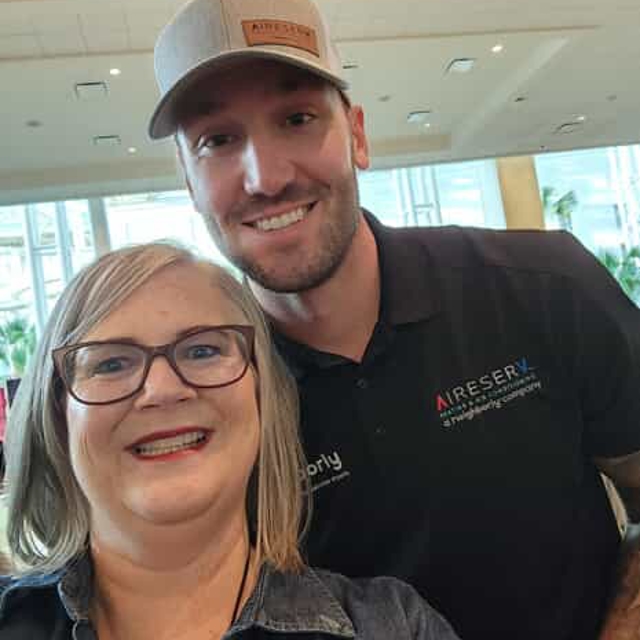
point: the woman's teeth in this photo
(170, 445)
(280, 222)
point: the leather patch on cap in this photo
(289, 34)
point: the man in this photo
(461, 389)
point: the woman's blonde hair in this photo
(48, 512)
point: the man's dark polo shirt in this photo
(457, 454)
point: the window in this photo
(41, 247)
(82, 248)
(15, 284)
(605, 186)
(595, 194)
(159, 216)
(465, 193)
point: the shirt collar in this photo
(280, 602)
(408, 287)
(293, 603)
(408, 292)
(74, 584)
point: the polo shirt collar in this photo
(408, 294)
(408, 287)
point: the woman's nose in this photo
(163, 385)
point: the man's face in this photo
(270, 154)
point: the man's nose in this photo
(163, 386)
(267, 169)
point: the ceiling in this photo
(568, 76)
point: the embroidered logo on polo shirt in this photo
(488, 392)
(327, 469)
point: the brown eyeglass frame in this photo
(248, 332)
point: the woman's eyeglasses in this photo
(102, 372)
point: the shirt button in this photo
(362, 383)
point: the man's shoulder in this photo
(527, 250)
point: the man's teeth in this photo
(280, 222)
(170, 445)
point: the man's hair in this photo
(48, 521)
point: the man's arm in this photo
(623, 619)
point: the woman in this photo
(154, 473)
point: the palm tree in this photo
(562, 208)
(625, 268)
(17, 343)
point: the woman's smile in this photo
(168, 445)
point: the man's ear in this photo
(359, 142)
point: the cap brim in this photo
(163, 122)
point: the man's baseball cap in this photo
(207, 35)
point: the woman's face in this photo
(127, 485)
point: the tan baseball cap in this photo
(212, 34)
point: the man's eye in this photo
(298, 119)
(214, 141)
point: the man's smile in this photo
(281, 220)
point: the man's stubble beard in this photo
(337, 231)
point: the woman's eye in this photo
(298, 119)
(111, 365)
(198, 352)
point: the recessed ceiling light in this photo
(567, 128)
(581, 118)
(33, 124)
(384, 98)
(418, 117)
(115, 71)
(132, 150)
(91, 90)
(427, 125)
(106, 141)
(461, 65)
(520, 99)
(499, 48)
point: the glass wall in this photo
(41, 247)
(464, 193)
(595, 194)
(15, 284)
(158, 216)
(603, 211)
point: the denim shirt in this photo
(313, 605)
